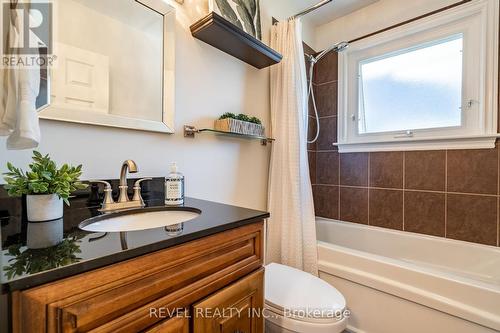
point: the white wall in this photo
(208, 83)
(282, 9)
(380, 15)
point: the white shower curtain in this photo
(291, 229)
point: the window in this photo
(413, 89)
(425, 85)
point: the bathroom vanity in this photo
(202, 276)
(205, 277)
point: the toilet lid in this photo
(301, 295)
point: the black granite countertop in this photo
(80, 251)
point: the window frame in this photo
(478, 22)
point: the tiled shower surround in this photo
(453, 194)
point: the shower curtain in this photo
(291, 231)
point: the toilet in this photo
(298, 302)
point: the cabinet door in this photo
(178, 324)
(234, 309)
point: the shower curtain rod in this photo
(310, 9)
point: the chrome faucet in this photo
(109, 205)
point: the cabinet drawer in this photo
(236, 308)
(176, 277)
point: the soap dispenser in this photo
(174, 187)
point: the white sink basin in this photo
(138, 220)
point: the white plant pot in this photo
(44, 234)
(44, 207)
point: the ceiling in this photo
(330, 11)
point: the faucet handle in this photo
(137, 190)
(138, 182)
(95, 181)
(108, 192)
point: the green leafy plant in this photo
(228, 115)
(242, 117)
(228, 13)
(255, 120)
(32, 261)
(43, 178)
(249, 15)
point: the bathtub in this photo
(397, 281)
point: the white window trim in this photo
(484, 132)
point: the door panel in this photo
(177, 324)
(81, 80)
(235, 309)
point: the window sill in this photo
(451, 143)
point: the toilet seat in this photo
(301, 302)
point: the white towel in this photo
(8, 95)
(18, 117)
(26, 133)
(4, 128)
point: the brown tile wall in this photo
(453, 194)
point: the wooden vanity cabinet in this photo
(157, 292)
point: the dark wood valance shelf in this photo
(213, 29)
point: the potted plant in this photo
(241, 124)
(45, 185)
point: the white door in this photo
(80, 80)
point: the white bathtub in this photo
(403, 282)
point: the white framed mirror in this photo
(115, 65)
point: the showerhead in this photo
(339, 47)
(342, 46)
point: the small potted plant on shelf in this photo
(240, 124)
(45, 185)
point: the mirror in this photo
(114, 65)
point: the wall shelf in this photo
(215, 30)
(191, 131)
